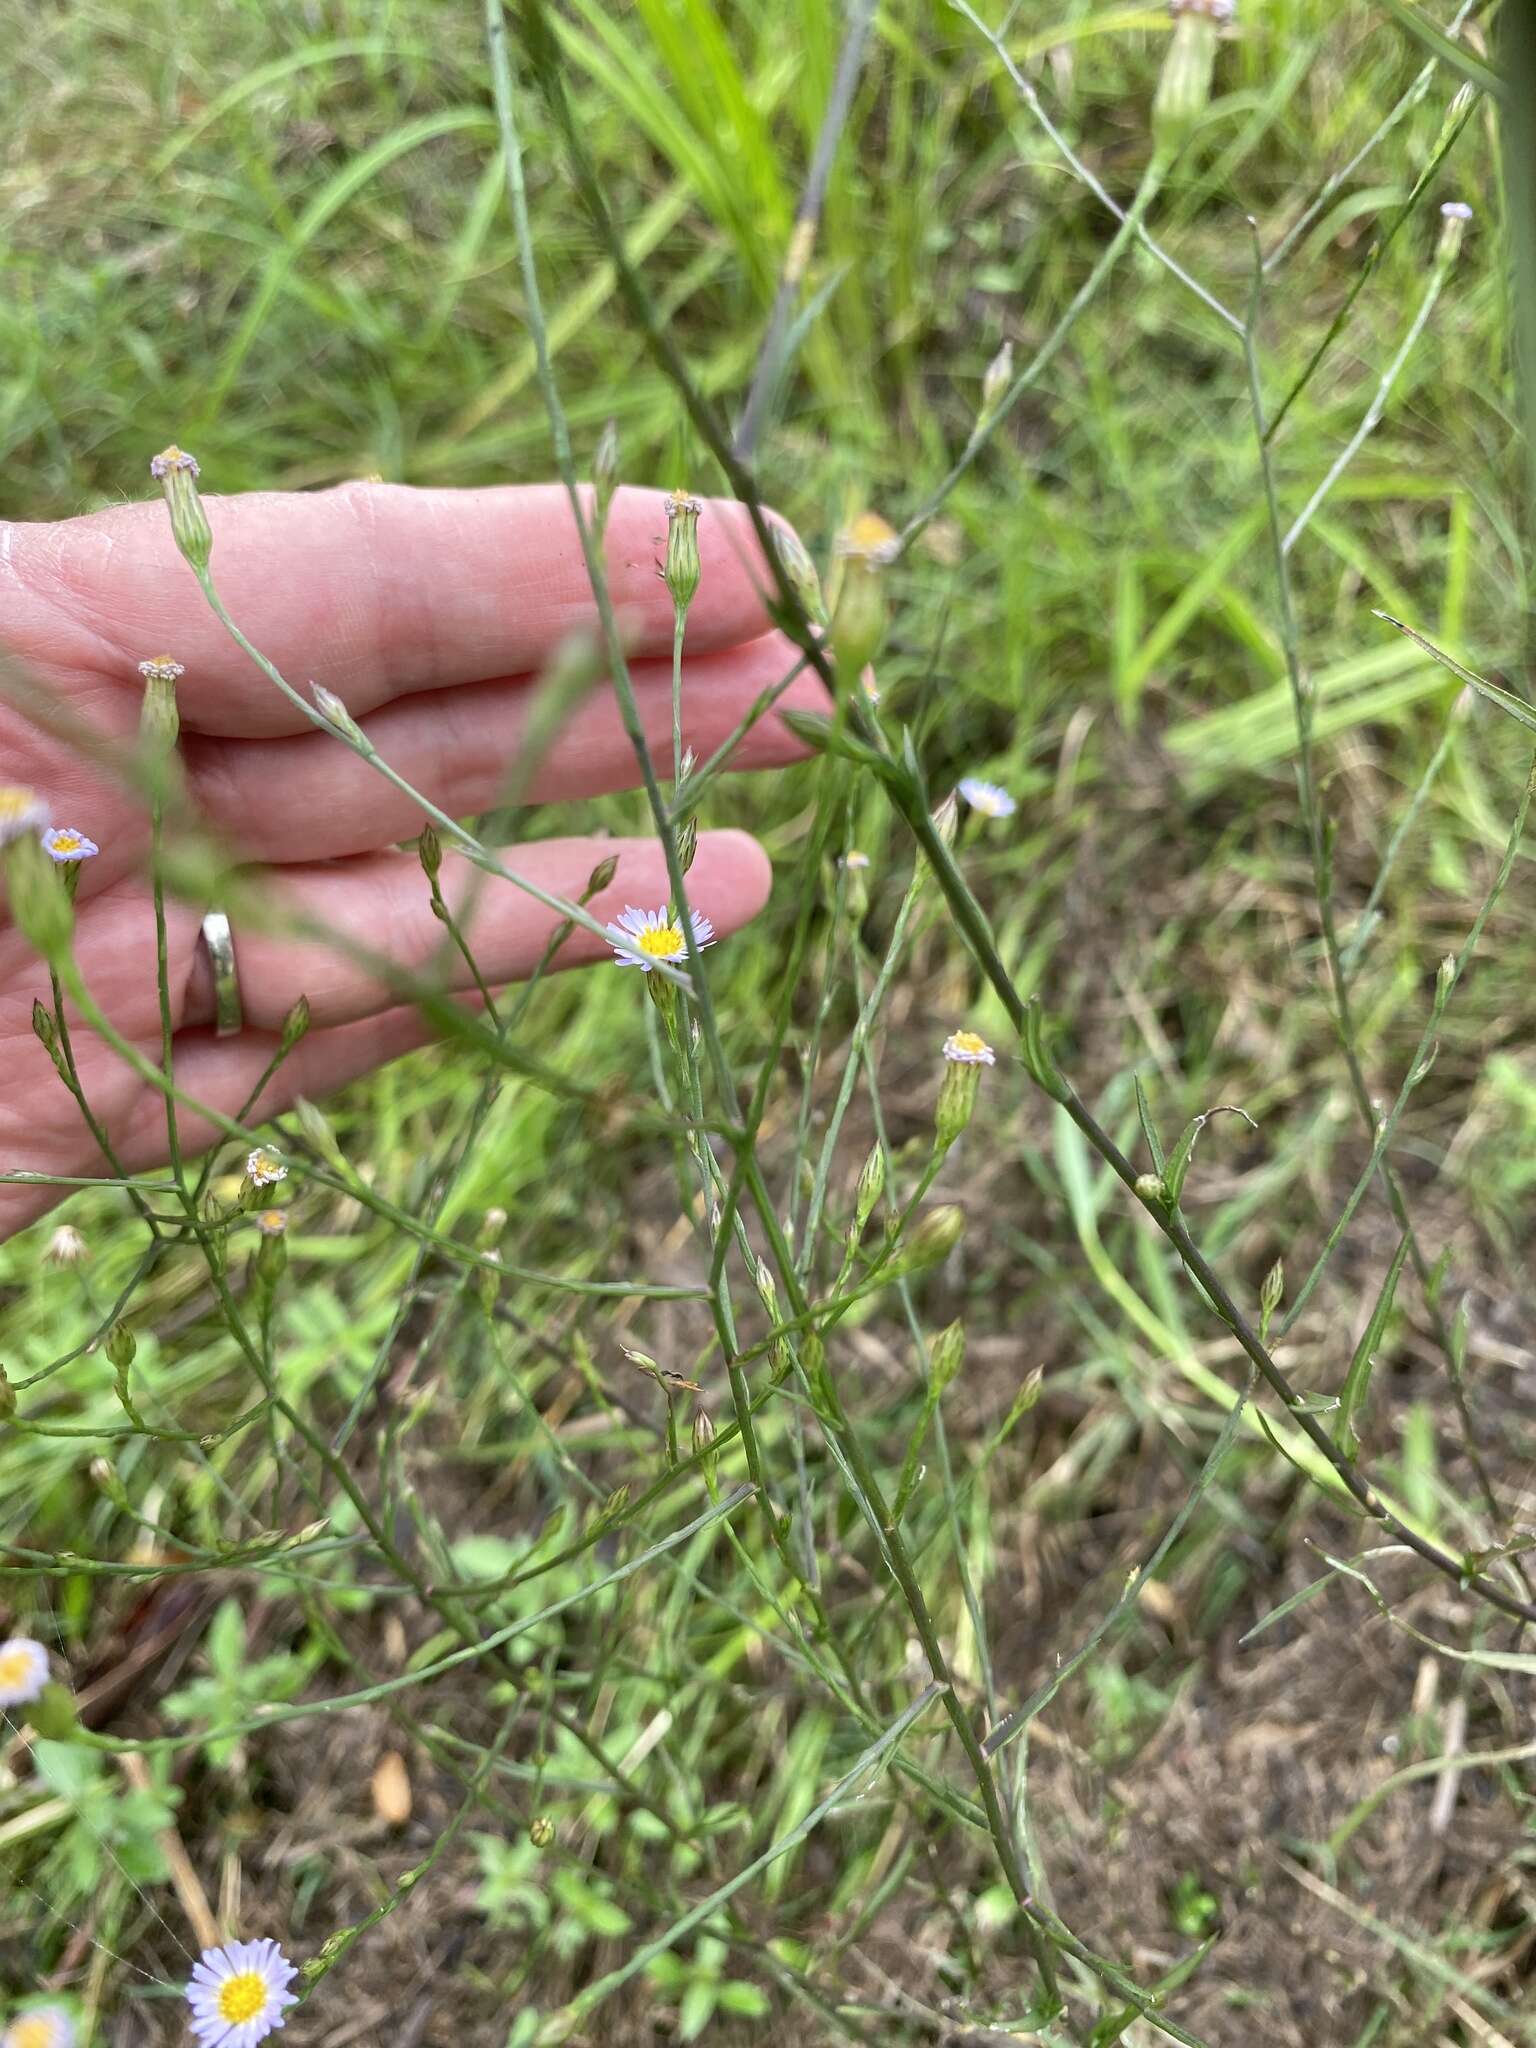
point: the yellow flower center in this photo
(15, 1669)
(665, 943)
(969, 1041)
(242, 1997)
(33, 2030)
(67, 842)
(15, 802)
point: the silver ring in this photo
(228, 1015)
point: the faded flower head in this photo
(172, 461)
(21, 813)
(66, 843)
(990, 798)
(272, 1222)
(41, 2026)
(263, 1169)
(239, 1993)
(23, 1671)
(66, 1247)
(869, 539)
(647, 938)
(161, 668)
(969, 1049)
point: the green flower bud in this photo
(947, 1356)
(1454, 216)
(858, 623)
(1150, 1188)
(800, 573)
(335, 713)
(601, 876)
(932, 1241)
(1184, 88)
(40, 905)
(295, 1024)
(994, 385)
(682, 570)
(121, 1347)
(159, 714)
(48, 1037)
(176, 473)
(429, 851)
(541, 1831)
(870, 1188)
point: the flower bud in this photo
(946, 818)
(965, 1054)
(933, 1240)
(159, 713)
(605, 475)
(48, 1037)
(870, 1188)
(429, 851)
(176, 473)
(994, 385)
(541, 1829)
(1269, 1295)
(1150, 1188)
(40, 905)
(334, 712)
(121, 1347)
(947, 1356)
(799, 572)
(1454, 216)
(601, 876)
(492, 1224)
(858, 624)
(703, 1432)
(295, 1024)
(687, 843)
(682, 569)
(316, 1126)
(1184, 87)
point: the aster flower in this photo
(40, 2026)
(642, 938)
(23, 1671)
(20, 813)
(855, 859)
(66, 1247)
(272, 1222)
(263, 1169)
(239, 1993)
(65, 843)
(968, 1049)
(990, 798)
(172, 460)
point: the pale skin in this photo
(430, 613)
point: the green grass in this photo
(278, 234)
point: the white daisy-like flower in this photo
(21, 812)
(969, 1049)
(161, 668)
(643, 938)
(23, 1671)
(856, 860)
(1455, 209)
(40, 2026)
(65, 843)
(272, 1222)
(990, 798)
(66, 1247)
(263, 1169)
(239, 1993)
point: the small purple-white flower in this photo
(990, 798)
(40, 2026)
(969, 1049)
(172, 460)
(855, 860)
(239, 1993)
(1455, 209)
(648, 938)
(263, 1169)
(65, 843)
(23, 1671)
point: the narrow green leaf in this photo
(1516, 706)
(1357, 1380)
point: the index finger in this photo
(372, 589)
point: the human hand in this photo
(429, 613)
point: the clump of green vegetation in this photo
(956, 1465)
